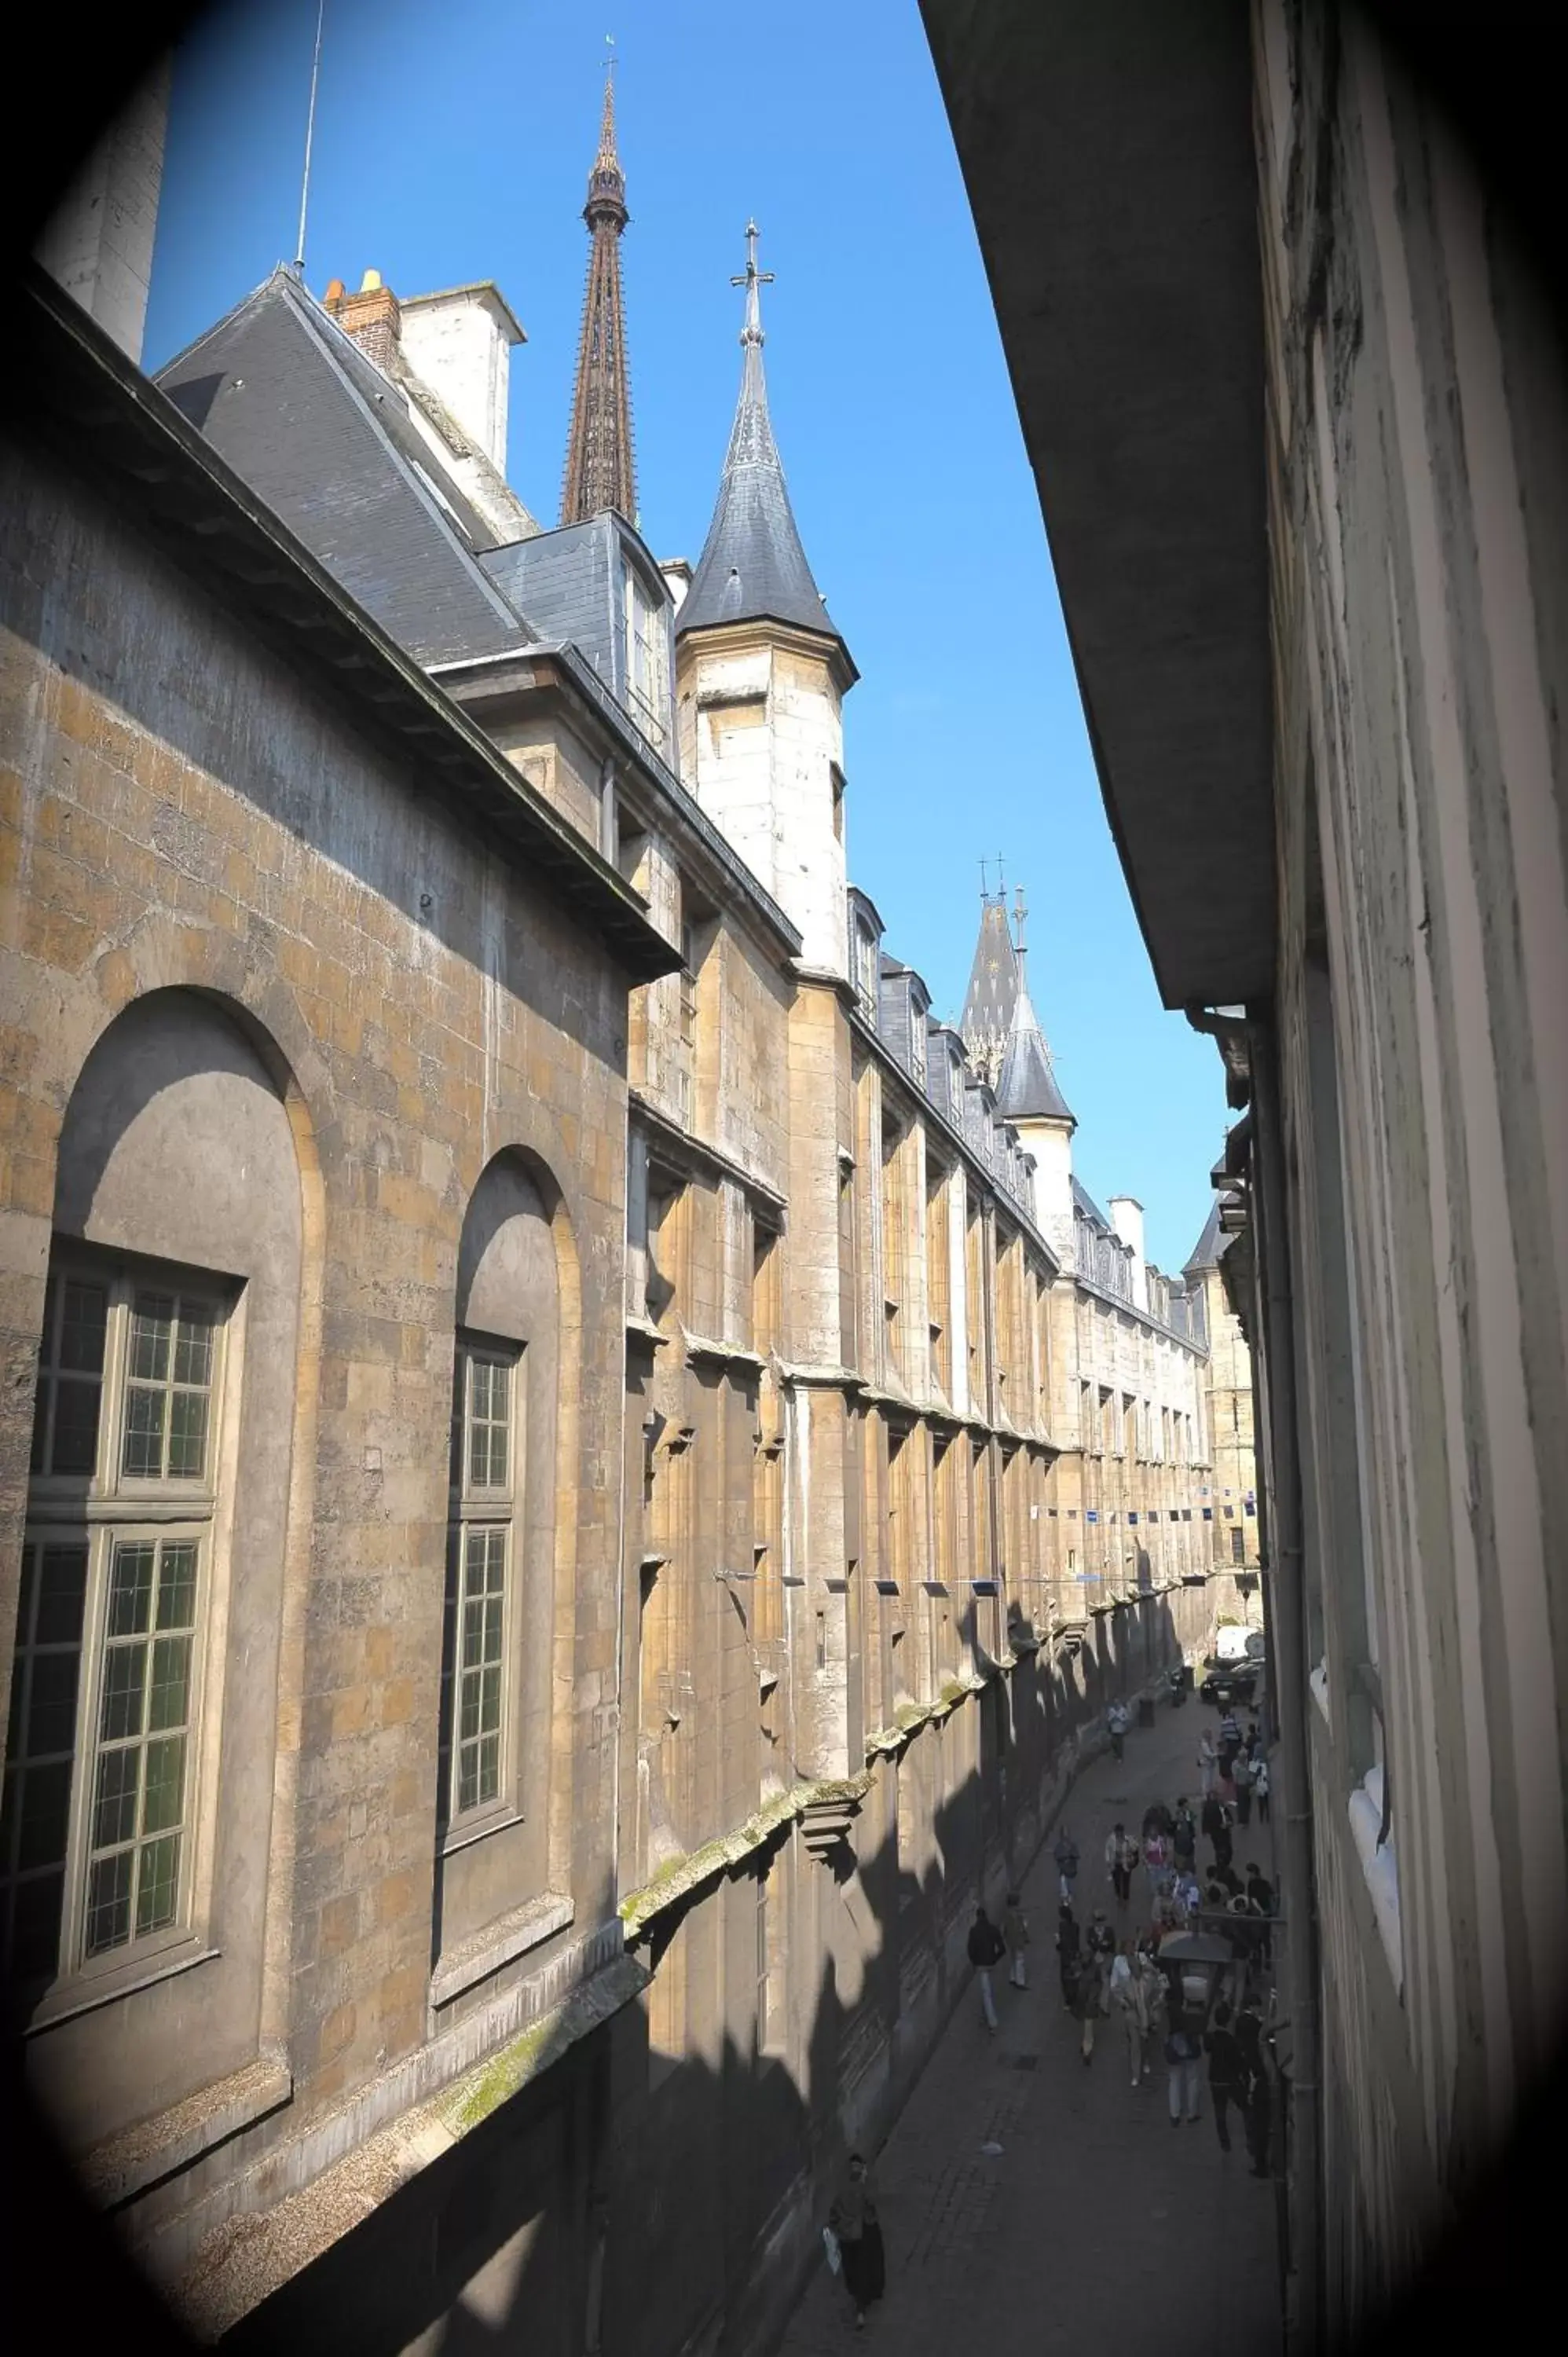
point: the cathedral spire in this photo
(600, 468)
(753, 566)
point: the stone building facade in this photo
(594, 1474)
(1338, 793)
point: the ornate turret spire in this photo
(753, 565)
(1026, 1086)
(600, 467)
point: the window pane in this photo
(131, 1590)
(193, 1346)
(75, 1446)
(84, 1321)
(62, 1589)
(114, 1805)
(145, 1432)
(43, 1815)
(157, 1885)
(163, 1798)
(177, 1585)
(188, 1436)
(51, 1703)
(124, 1677)
(171, 1682)
(109, 1902)
(151, 1329)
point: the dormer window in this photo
(647, 659)
(866, 969)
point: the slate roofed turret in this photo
(1027, 1088)
(753, 566)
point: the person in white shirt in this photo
(1128, 1999)
(1207, 1755)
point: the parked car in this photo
(1231, 1685)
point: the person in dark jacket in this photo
(858, 2231)
(986, 1948)
(1070, 1952)
(1227, 2083)
(1259, 2111)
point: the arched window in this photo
(496, 1655)
(156, 1508)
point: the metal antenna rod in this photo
(309, 136)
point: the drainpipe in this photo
(1287, 1622)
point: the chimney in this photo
(460, 343)
(1127, 1219)
(372, 316)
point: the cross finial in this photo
(754, 278)
(984, 893)
(1000, 878)
(1019, 913)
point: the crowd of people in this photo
(1165, 2004)
(1128, 1972)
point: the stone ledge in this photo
(257, 2250)
(685, 1874)
(476, 1958)
(126, 2164)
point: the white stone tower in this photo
(762, 676)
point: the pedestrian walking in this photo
(1085, 2003)
(1184, 1835)
(1259, 2097)
(1157, 1860)
(1120, 1856)
(1216, 1827)
(1070, 1951)
(1227, 2083)
(1129, 2000)
(986, 1948)
(1207, 1756)
(1116, 1724)
(1260, 1889)
(1100, 1946)
(1183, 2064)
(857, 2230)
(1260, 1788)
(1242, 1777)
(1015, 1936)
(1066, 1856)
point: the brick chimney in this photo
(372, 316)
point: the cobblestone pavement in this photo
(1096, 2226)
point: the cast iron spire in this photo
(600, 468)
(752, 565)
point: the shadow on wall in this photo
(640, 2203)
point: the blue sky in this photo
(453, 143)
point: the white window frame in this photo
(489, 1507)
(102, 1508)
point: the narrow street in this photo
(1095, 2225)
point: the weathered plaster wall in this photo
(1417, 519)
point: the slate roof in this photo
(1083, 1200)
(313, 426)
(1207, 1251)
(753, 566)
(1027, 1088)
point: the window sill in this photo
(476, 1959)
(499, 1815)
(81, 1995)
(128, 2164)
(1379, 1865)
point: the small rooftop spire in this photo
(752, 565)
